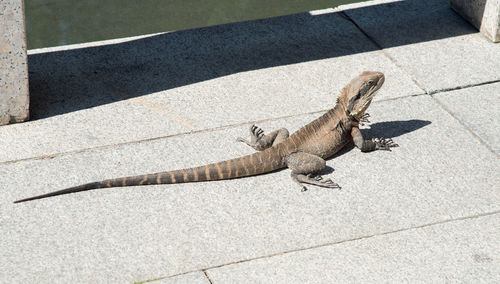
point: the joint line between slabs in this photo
(467, 128)
(463, 87)
(343, 241)
(206, 275)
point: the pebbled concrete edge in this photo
(483, 14)
(14, 88)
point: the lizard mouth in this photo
(369, 95)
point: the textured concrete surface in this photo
(433, 44)
(464, 251)
(14, 95)
(483, 14)
(132, 234)
(444, 177)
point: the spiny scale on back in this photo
(303, 152)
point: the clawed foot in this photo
(256, 134)
(364, 119)
(323, 182)
(384, 144)
(314, 180)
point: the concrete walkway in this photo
(428, 211)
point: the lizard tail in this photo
(257, 163)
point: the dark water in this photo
(60, 22)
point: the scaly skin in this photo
(303, 152)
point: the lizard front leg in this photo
(371, 145)
(364, 119)
(260, 141)
(305, 168)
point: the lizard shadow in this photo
(386, 129)
(392, 129)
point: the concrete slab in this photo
(484, 15)
(464, 251)
(440, 172)
(477, 108)
(14, 95)
(431, 42)
(174, 83)
(190, 278)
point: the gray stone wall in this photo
(483, 14)
(14, 92)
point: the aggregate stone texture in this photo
(433, 44)
(440, 172)
(479, 109)
(483, 14)
(464, 251)
(14, 94)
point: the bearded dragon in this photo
(304, 152)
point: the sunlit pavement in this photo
(428, 211)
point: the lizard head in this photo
(358, 94)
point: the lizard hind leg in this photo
(260, 141)
(305, 168)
